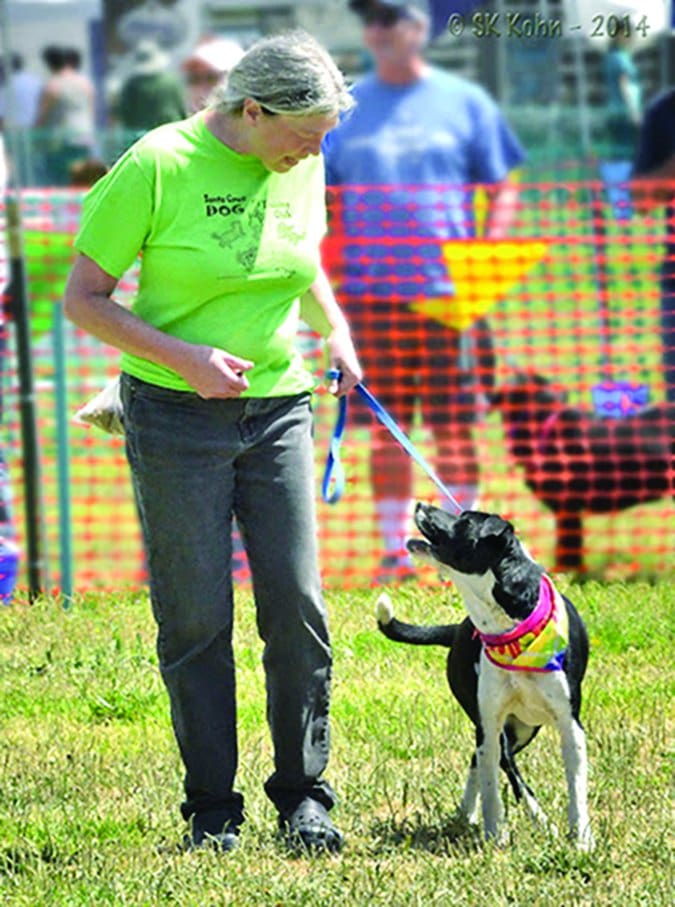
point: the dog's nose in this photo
(427, 517)
(422, 511)
(421, 515)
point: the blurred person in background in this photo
(207, 66)
(151, 94)
(624, 98)
(9, 552)
(26, 89)
(20, 91)
(654, 185)
(84, 173)
(419, 135)
(66, 117)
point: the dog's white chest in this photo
(531, 709)
(532, 697)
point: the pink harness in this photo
(539, 642)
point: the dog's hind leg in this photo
(508, 765)
(573, 742)
(526, 795)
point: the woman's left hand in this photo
(342, 362)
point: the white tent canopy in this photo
(30, 25)
(95, 5)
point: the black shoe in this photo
(223, 841)
(309, 828)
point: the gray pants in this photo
(195, 463)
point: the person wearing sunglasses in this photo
(405, 163)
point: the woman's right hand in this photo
(88, 303)
(215, 373)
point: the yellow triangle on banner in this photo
(482, 272)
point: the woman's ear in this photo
(252, 111)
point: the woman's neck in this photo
(227, 129)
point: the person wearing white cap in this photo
(210, 61)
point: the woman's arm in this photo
(320, 309)
(88, 303)
(46, 103)
(630, 97)
(502, 208)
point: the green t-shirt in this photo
(227, 249)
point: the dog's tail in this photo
(392, 628)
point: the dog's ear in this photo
(517, 586)
(495, 526)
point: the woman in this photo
(227, 208)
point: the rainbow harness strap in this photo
(538, 643)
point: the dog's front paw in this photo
(384, 609)
(469, 820)
(499, 836)
(584, 840)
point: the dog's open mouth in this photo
(418, 546)
(422, 551)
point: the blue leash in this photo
(334, 473)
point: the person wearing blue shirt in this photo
(653, 185)
(406, 160)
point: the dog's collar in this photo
(539, 642)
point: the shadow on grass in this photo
(16, 860)
(450, 834)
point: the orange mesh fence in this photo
(105, 535)
(528, 368)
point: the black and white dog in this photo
(514, 664)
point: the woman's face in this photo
(282, 140)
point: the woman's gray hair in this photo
(290, 73)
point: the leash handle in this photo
(334, 474)
(334, 470)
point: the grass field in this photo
(91, 779)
